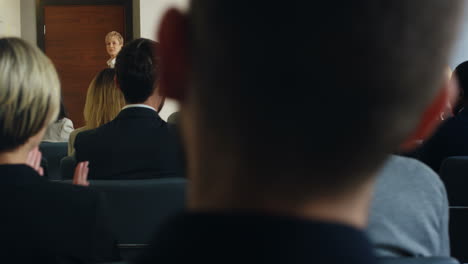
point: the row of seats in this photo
(138, 207)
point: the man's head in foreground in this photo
(289, 109)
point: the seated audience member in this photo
(60, 130)
(266, 186)
(103, 103)
(114, 43)
(409, 212)
(137, 143)
(42, 221)
(451, 139)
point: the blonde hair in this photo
(29, 92)
(114, 34)
(103, 100)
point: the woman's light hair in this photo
(103, 100)
(29, 92)
(114, 34)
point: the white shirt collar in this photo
(111, 63)
(139, 105)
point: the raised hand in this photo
(81, 174)
(34, 160)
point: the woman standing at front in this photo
(114, 43)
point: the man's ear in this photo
(431, 117)
(174, 55)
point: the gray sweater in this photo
(409, 213)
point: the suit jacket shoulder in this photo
(71, 140)
(136, 144)
(82, 142)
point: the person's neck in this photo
(17, 156)
(151, 101)
(349, 209)
(113, 57)
(215, 185)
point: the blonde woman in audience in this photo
(114, 43)
(29, 102)
(103, 103)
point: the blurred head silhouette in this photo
(250, 90)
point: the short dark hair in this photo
(461, 74)
(266, 76)
(62, 112)
(136, 69)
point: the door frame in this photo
(40, 21)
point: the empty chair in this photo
(418, 261)
(137, 208)
(53, 152)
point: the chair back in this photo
(137, 208)
(53, 152)
(67, 167)
(458, 232)
(454, 174)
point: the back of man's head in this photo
(312, 99)
(136, 70)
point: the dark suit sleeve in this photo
(78, 145)
(105, 244)
(176, 137)
(83, 142)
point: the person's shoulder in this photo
(88, 134)
(78, 130)
(85, 141)
(84, 136)
(67, 122)
(412, 172)
(409, 165)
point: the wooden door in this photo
(74, 40)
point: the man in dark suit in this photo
(137, 143)
(267, 186)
